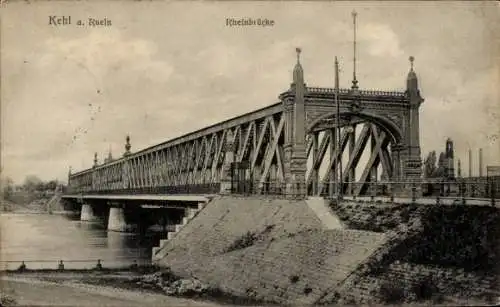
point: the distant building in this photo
(492, 171)
(449, 170)
(109, 158)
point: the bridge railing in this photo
(367, 92)
(461, 189)
(28, 265)
(268, 188)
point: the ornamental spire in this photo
(412, 80)
(298, 72)
(127, 146)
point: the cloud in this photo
(381, 40)
(103, 52)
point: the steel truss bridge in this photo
(292, 147)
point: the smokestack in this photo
(470, 162)
(480, 162)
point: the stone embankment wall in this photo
(445, 251)
(404, 282)
(269, 250)
(375, 217)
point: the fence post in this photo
(461, 190)
(492, 192)
(413, 193)
(22, 267)
(98, 265)
(372, 189)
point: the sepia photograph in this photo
(249, 153)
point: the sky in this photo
(165, 68)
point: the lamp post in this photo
(339, 145)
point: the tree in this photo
(440, 171)
(32, 183)
(430, 165)
(7, 187)
(51, 185)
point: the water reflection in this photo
(37, 238)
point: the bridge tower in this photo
(295, 135)
(407, 155)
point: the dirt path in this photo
(30, 291)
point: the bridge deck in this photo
(178, 197)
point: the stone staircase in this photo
(190, 214)
(320, 207)
(53, 203)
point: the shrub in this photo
(294, 279)
(7, 300)
(307, 290)
(427, 289)
(242, 242)
(392, 292)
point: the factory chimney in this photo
(480, 162)
(470, 162)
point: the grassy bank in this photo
(146, 279)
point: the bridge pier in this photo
(117, 220)
(87, 213)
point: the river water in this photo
(42, 240)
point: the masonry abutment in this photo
(87, 213)
(117, 221)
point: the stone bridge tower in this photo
(295, 135)
(410, 161)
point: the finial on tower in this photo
(412, 80)
(95, 159)
(127, 146)
(298, 72)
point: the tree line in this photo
(433, 167)
(32, 185)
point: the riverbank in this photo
(43, 293)
(112, 287)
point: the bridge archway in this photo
(325, 158)
(347, 118)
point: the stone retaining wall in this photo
(283, 253)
